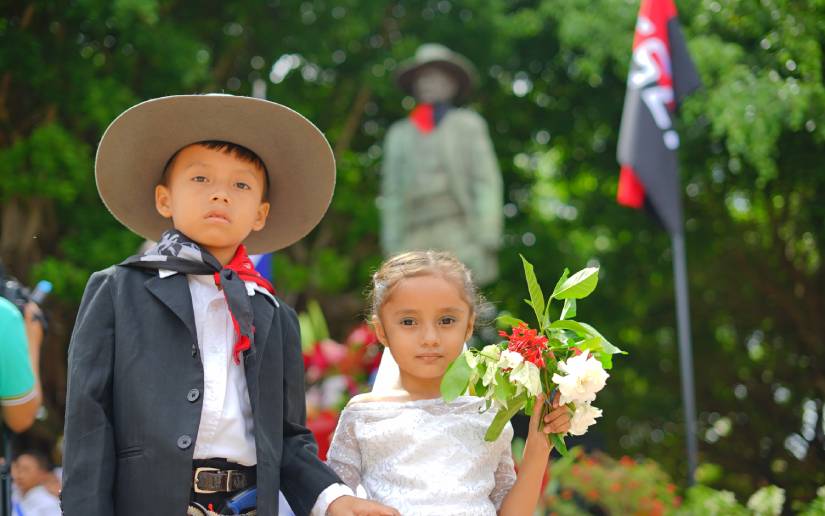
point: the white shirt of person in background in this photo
(30, 473)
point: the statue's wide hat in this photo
(138, 144)
(434, 54)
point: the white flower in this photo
(471, 359)
(584, 377)
(584, 416)
(509, 359)
(528, 376)
(489, 377)
(490, 353)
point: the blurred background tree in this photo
(552, 87)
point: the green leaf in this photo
(307, 335)
(504, 389)
(318, 321)
(508, 321)
(607, 347)
(569, 310)
(546, 319)
(587, 331)
(503, 416)
(578, 285)
(597, 346)
(536, 296)
(564, 276)
(558, 442)
(456, 379)
(573, 326)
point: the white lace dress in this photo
(424, 457)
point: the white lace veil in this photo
(388, 377)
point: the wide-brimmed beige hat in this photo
(434, 54)
(137, 145)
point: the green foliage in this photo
(596, 483)
(313, 326)
(752, 145)
(579, 285)
(456, 379)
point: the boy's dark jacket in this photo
(134, 401)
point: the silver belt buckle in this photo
(195, 483)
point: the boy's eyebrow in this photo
(249, 169)
(195, 164)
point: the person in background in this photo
(31, 474)
(20, 394)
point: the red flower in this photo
(527, 343)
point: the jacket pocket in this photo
(131, 451)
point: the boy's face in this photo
(26, 472)
(214, 198)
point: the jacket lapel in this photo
(264, 312)
(174, 293)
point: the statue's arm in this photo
(488, 188)
(391, 205)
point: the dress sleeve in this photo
(344, 455)
(505, 474)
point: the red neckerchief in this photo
(423, 117)
(243, 267)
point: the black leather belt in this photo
(214, 480)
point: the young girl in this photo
(402, 444)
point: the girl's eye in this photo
(446, 321)
(407, 322)
(199, 179)
(243, 186)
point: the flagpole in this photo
(685, 351)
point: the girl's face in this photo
(425, 322)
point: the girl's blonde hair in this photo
(421, 263)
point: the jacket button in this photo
(184, 442)
(193, 395)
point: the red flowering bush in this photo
(334, 372)
(582, 483)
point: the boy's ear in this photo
(260, 219)
(163, 201)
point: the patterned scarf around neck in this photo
(176, 252)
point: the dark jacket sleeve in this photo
(303, 475)
(89, 458)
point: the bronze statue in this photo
(441, 185)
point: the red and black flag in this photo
(661, 75)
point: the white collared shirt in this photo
(226, 427)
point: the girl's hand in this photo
(557, 421)
(352, 506)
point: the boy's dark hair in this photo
(39, 457)
(239, 151)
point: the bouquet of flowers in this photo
(564, 355)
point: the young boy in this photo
(185, 372)
(31, 474)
